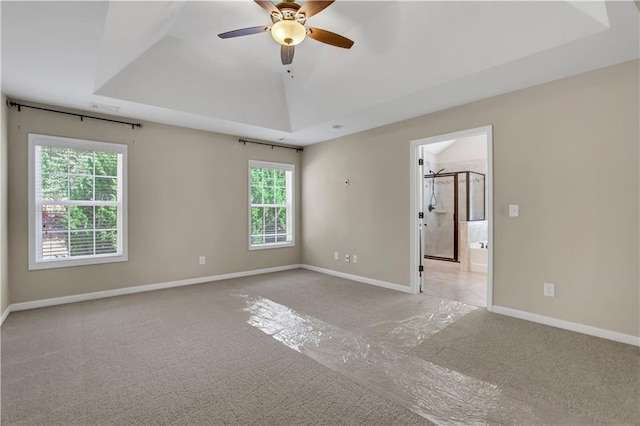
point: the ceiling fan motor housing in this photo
(288, 11)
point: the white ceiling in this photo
(163, 61)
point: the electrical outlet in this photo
(549, 290)
(336, 255)
(346, 258)
(354, 258)
(202, 260)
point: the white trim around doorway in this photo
(416, 195)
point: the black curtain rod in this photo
(272, 145)
(82, 116)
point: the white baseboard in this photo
(541, 319)
(179, 283)
(358, 278)
(567, 325)
(4, 314)
(138, 289)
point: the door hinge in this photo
(420, 215)
(420, 162)
(420, 268)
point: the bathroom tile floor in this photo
(444, 279)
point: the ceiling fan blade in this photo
(311, 7)
(244, 32)
(286, 54)
(328, 37)
(267, 5)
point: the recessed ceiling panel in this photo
(131, 28)
(428, 44)
(178, 75)
(201, 22)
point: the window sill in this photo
(272, 246)
(33, 265)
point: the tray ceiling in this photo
(163, 61)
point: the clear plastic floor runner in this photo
(378, 360)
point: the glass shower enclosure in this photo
(450, 198)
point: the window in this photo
(77, 202)
(270, 205)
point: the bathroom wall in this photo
(464, 154)
(479, 165)
(477, 231)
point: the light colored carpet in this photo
(178, 356)
(188, 356)
(597, 378)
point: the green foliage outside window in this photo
(269, 205)
(78, 175)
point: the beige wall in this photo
(566, 151)
(4, 251)
(187, 197)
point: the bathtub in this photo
(478, 256)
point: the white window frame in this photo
(35, 207)
(290, 205)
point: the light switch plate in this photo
(514, 210)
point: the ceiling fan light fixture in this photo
(288, 32)
(289, 19)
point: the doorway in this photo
(451, 216)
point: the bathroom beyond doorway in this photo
(453, 195)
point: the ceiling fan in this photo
(288, 29)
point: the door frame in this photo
(415, 185)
